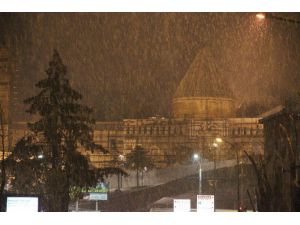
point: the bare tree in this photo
(263, 192)
(277, 175)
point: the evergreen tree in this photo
(137, 160)
(50, 154)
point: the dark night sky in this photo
(128, 65)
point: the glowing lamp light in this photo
(196, 156)
(219, 140)
(260, 16)
(122, 157)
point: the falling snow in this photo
(129, 65)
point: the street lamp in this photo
(122, 159)
(144, 171)
(196, 157)
(219, 140)
(233, 146)
(260, 16)
(215, 145)
(263, 16)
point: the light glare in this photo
(260, 16)
(196, 156)
(219, 140)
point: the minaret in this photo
(5, 80)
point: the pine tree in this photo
(50, 152)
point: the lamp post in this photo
(215, 145)
(196, 157)
(260, 16)
(121, 159)
(233, 146)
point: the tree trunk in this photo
(66, 193)
(118, 181)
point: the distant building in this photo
(203, 109)
(282, 152)
(5, 79)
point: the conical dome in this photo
(203, 78)
(203, 92)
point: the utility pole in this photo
(200, 178)
(215, 168)
(238, 178)
(198, 158)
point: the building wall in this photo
(5, 95)
(4, 82)
(203, 107)
(160, 136)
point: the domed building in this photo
(203, 109)
(203, 93)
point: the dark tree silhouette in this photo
(3, 136)
(48, 160)
(137, 160)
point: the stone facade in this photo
(160, 136)
(5, 77)
(203, 107)
(4, 82)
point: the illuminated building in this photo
(203, 109)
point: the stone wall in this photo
(203, 107)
